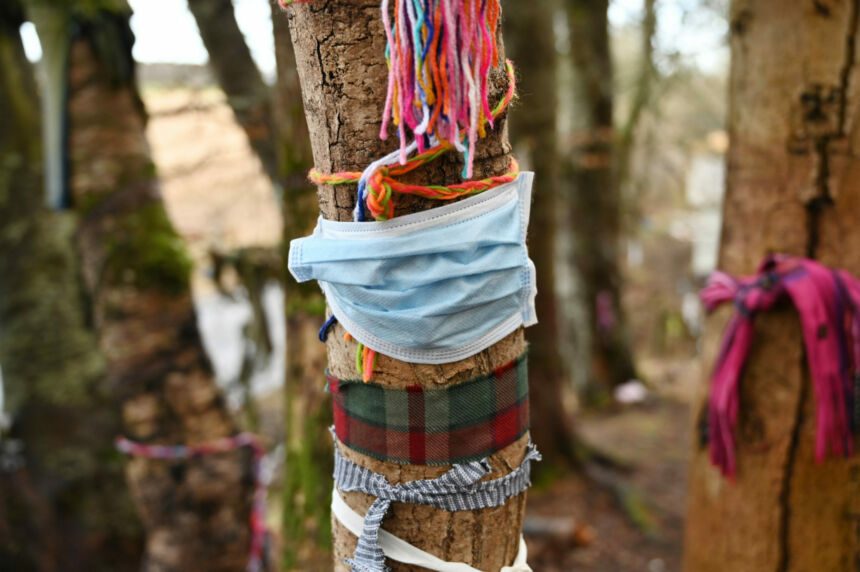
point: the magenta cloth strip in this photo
(827, 302)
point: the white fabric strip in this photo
(401, 551)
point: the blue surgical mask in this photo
(431, 287)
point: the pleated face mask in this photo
(430, 287)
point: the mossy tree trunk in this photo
(595, 203)
(63, 500)
(531, 44)
(136, 273)
(339, 46)
(307, 410)
(793, 188)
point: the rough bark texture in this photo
(63, 501)
(238, 75)
(307, 411)
(531, 44)
(596, 203)
(339, 47)
(136, 272)
(792, 187)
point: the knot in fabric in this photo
(459, 489)
(828, 304)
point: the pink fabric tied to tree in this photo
(827, 301)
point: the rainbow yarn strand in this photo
(381, 181)
(439, 57)
(224, 445)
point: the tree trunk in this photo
(238, 75)
(596, 203)
(136, 271)
(340, 49)
(531, 44)
(277, 131)
(793, 188)
(641, 92)
(63, 501)
(307, 412)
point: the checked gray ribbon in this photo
(458, 489)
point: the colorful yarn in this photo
(439, 56)
(828, 302)
(381, 181)
(365, 359)
(223, 445)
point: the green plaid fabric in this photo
(419, 426)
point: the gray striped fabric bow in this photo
(456, 490)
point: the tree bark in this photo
(531, 44)
(596, 203)
(63, 501)
(793, 188)
(307, 412)
(196, 512)
(238, 75)
(339, 47)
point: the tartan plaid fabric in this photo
(460, 423)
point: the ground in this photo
(629, 519)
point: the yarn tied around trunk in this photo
(223, 445)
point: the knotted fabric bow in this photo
(458, 489)
(827, 301)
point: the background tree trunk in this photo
(531, 44)
(63, 501)
(238, 75)
(793, 188)
(595, 204)
(277, 131)
(307, 411)
(196, 512)
(340, 48)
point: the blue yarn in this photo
(359, 210)
(323, 334)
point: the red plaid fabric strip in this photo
(456, 424)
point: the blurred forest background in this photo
(195, 107)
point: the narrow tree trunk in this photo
(307, 411)
(596, 202)
(641, 92)
(196, 512)
(792, 187)
(238, 75)
(531, 44)
(277, 131)
(340, 48)
(63, 501)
